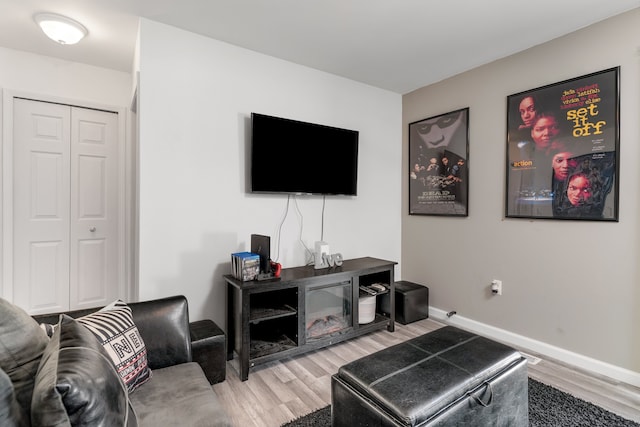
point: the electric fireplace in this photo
(328, 309)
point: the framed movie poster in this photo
(563, 149)
(439, 165)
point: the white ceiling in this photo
(399, 45)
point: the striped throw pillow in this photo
(113, 326)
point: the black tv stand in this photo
(267, 320)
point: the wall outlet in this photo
(496, 287)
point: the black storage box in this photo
(412, 302)
(448, 377)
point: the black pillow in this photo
(21, 345)
(77, 383)
(10, 413)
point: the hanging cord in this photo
(309, 258)
(310, 254)
(284, 217)
(324, 199)
(313, 255)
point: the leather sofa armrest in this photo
(208, 345)
(164, 326)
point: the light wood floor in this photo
(278, 392)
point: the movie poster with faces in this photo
(439, 165)
(563, 149)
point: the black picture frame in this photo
(563, 149)
(439, 164)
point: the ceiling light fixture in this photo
(60, 29)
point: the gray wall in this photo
(569, 286)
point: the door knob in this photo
(92, 229)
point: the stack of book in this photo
(245, 265)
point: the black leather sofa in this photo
(179, 392)
(168, 335)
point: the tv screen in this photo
(294, 157)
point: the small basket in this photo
(366, 309)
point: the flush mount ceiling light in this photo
(60, 29)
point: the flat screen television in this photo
(295, 157)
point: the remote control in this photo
(378, 287)
(367, 290)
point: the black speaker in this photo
(261, 245)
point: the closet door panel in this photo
(94, 208)
(41, 206)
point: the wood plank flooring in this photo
(278, 392)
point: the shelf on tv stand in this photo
(273, 345)
(266, 320)
(259, 314)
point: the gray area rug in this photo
(548, 407)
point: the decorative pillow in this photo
(10, 412)
(114, 328)
(77, 384)
(21, 345)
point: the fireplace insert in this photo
(328, 309)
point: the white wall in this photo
(44, 75)
(195, 100)
(570, 286)
(51, 79)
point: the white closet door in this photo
(65, 207)
(41, 205)
(94, 208)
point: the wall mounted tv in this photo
(294, 157)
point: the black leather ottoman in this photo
(412, 302)
(446, 377)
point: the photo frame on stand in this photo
(439, 165)
(563, 149)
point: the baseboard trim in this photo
(560, 354)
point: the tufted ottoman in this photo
(446, 377)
